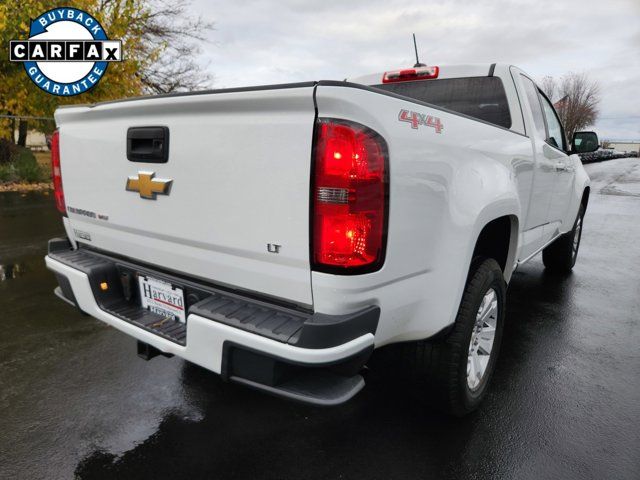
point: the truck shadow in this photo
(385, 432)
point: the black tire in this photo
(561, 255)
(440, 367)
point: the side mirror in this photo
(585, 142)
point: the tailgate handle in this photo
(148, 144)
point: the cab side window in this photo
(534, 102)
(555, 136)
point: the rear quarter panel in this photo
(444, 188)
(580, 183)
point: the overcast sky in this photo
(260, 42)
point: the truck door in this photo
(534, 232)
(555, 149)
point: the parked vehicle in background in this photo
(276, 235)
(603, 154)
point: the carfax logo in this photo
(67, 52)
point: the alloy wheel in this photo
(482, 339)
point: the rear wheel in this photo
(562, 254)
(456, 371)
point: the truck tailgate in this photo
(239, 162)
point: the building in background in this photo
(624, 146)
(35, 140)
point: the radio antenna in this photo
(415, 47)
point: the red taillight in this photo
(410, 74)
(56, 174)
(350, 192)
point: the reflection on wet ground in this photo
(7, 272)
(565, 401)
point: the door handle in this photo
(561, 167)
(148, 144)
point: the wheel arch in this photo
(585, 196)
(498, 239)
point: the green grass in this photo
(7, 172)
(23, 168)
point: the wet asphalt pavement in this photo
(564, 403)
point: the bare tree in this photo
(549, 86)
(575, 98)
(168, 39)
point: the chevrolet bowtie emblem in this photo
(147, 186)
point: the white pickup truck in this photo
(276, 235)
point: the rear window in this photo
(479, 97)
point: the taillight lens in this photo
(350, 198)
(56, 173)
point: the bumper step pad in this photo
(141, 317)
(269, 322)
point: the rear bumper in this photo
(308, 357)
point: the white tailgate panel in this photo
(240, 165)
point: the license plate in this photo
(162, 298)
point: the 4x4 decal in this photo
(416, 119)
